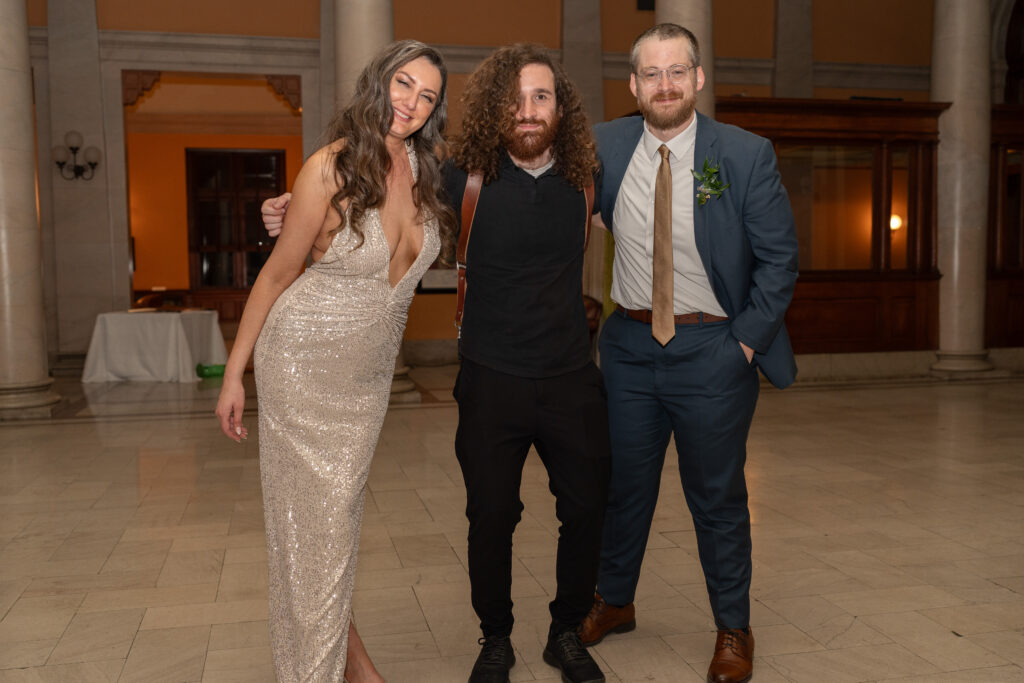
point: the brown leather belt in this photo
(644, 316)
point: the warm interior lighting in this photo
(895, 222)
(69, 152)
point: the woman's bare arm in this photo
(307, 213)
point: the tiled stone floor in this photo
(888, 544)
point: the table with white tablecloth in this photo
(153, 346)
(205, 340)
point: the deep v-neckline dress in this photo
(324, 364)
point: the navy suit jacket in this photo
(746, 237)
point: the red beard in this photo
(661, 119)
(531, 144)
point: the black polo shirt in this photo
(524, 277)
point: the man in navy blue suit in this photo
(680, 353)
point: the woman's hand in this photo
(229, 410)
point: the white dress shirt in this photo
(633, 224)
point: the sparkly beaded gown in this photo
(324, 363)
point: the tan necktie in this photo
(663, 326)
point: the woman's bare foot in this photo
(358, 667)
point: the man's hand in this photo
(748, 352)
(273, 213)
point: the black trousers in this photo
(566, 418)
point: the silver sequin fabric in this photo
(324, 363)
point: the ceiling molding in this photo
(213, 124)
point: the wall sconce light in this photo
(61, 155)
(895, 222)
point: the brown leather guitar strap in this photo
(470, 197)
(588, 190)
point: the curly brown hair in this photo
(362, 164)
(490, 98)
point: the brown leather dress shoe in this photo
(604, 619)
(734, 657)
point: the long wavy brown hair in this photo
(490, 99)
(362, 164)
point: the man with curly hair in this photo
(526, 377)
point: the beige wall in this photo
(744, 28)
(472, 22)
(294, 19)
(432, 316)
(621, 23)
(192, 111)
(859, 31)
(896, 32)
(158, 201)
(873, 31)
(36, 10)
(845, 31)
(183, 93)
(618, 100)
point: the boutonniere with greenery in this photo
(708, 183)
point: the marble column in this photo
(25, 384)
(403, 389)
(582, 54)
(793, 75)
(361, 29)
(960, 74)
(92, 254)
(694, 15)
(327, 106)
(584, 60)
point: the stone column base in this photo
(431, 352)
(26, 401)
(961, 363)
(403, 389)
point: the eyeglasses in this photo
(676, 73)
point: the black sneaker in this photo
(495, 660)
(566, 652)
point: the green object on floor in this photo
(210, 370)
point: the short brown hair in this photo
(665, 32)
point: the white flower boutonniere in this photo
(708, 183)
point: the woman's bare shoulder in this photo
(326, 155)
(321, 166)
(334, 147)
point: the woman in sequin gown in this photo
(325, 346)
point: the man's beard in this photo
(662, 119)
(527, 145)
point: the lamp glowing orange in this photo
(895, 222)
